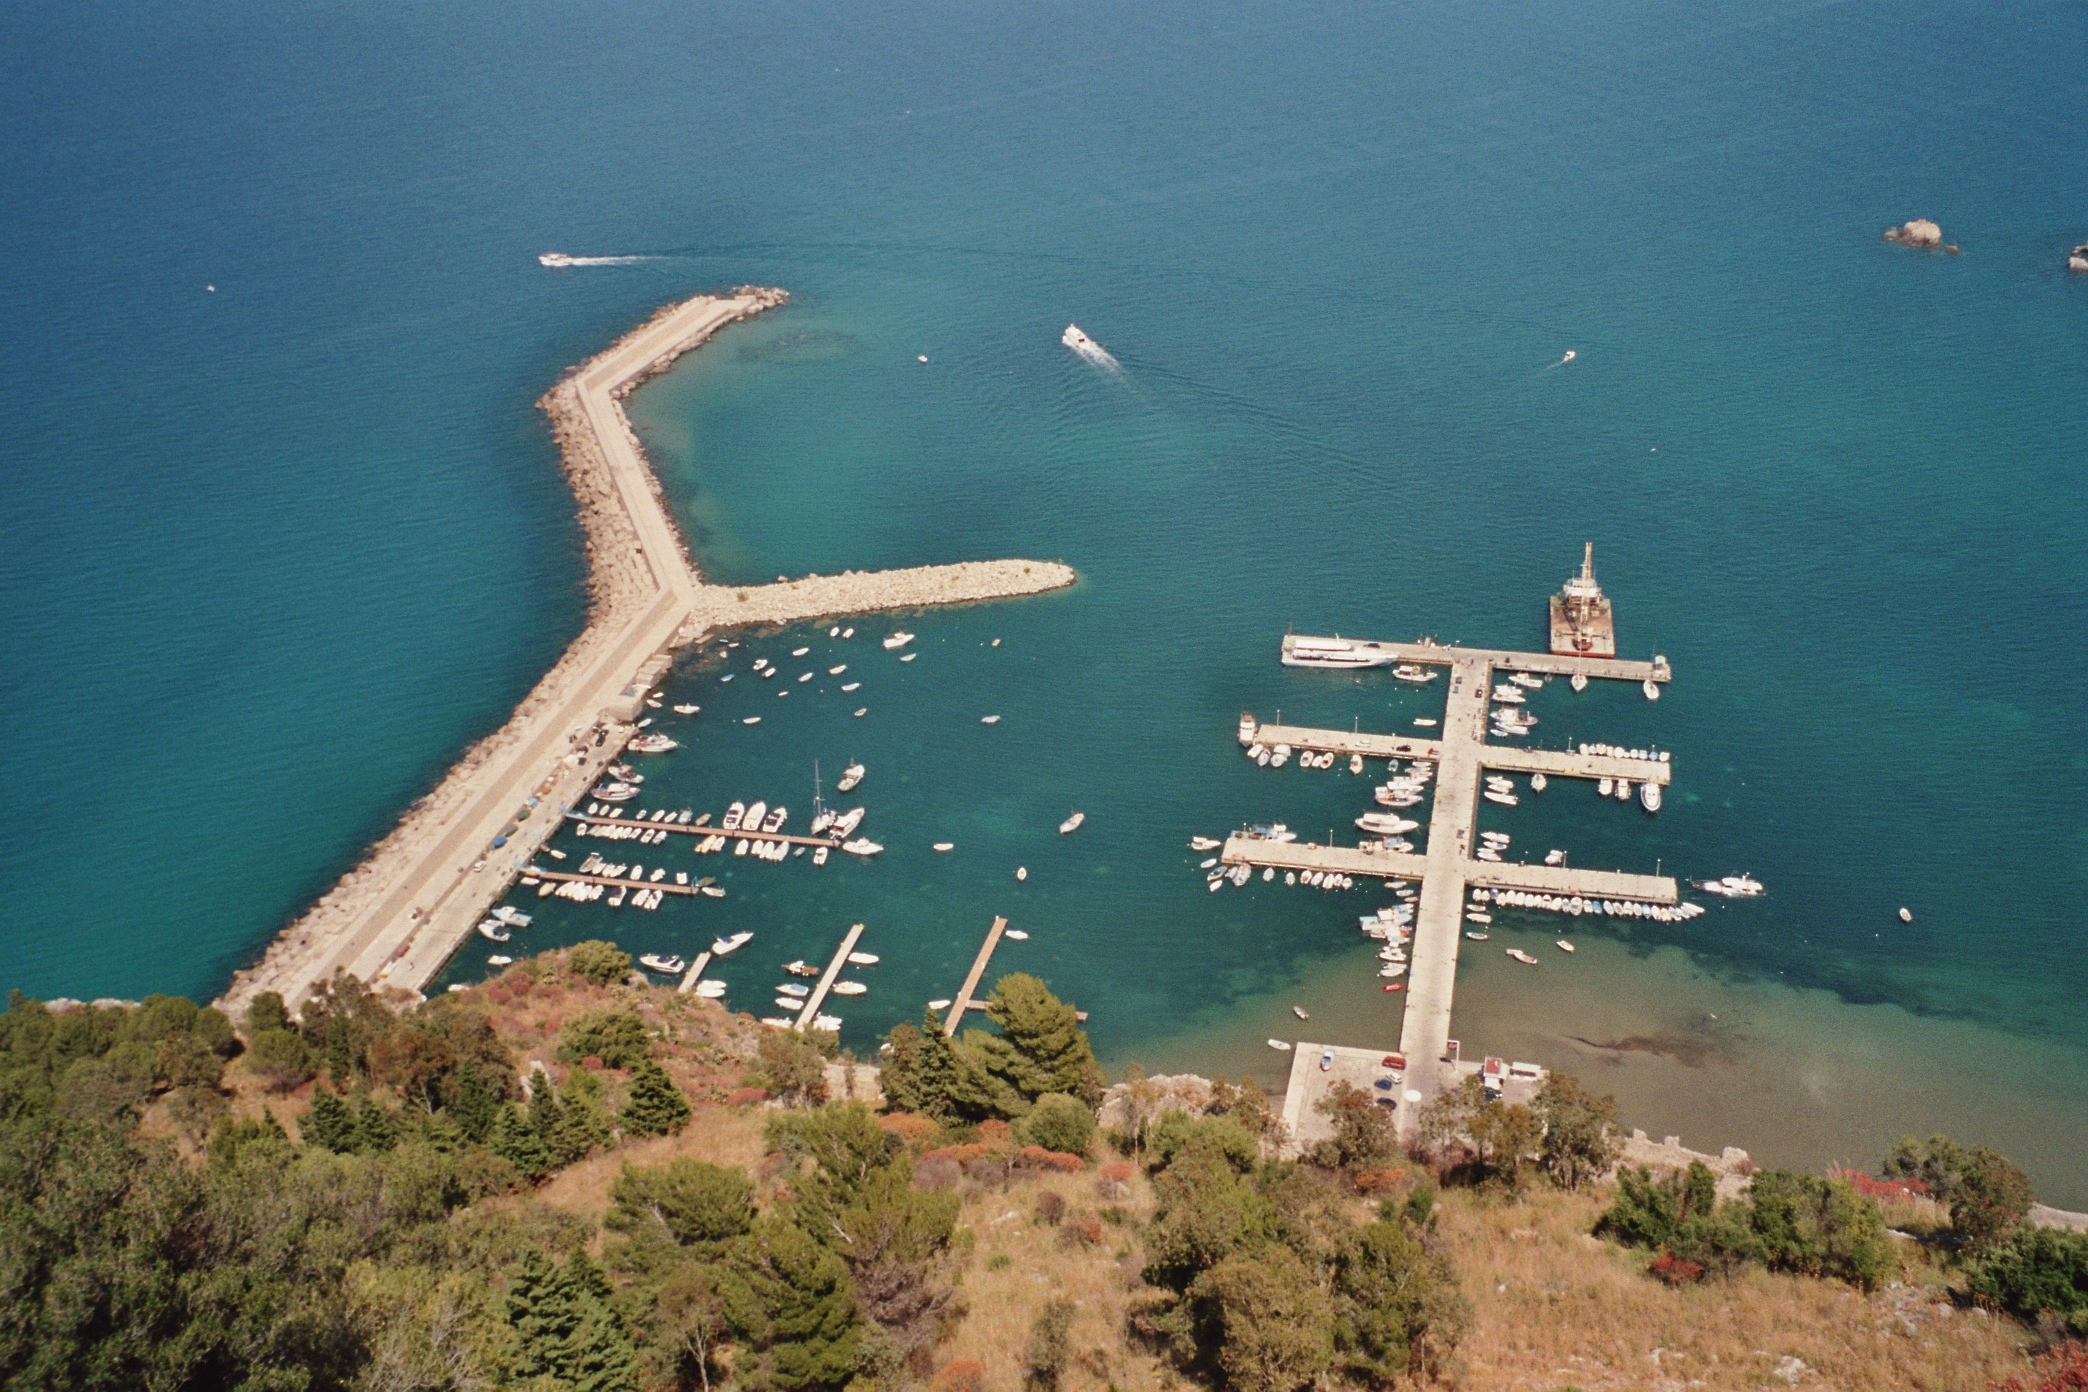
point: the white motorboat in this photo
(687, 709)
(1555, 857)
(837, 671)
(1579, 682)
(1016, 934)
(852, 686)
(845, 823)
(1392, 970)
(726, 678)
(1603, 786)
(1649, 796)
(863, 959)
(849, 988)
(494, 931)
(711, 891)
(1523, 957)
(1563, 945)
(801, 967)
(829, 1023)
(1623, 790)
(666, 966)
(653, 742)
(791, 988)
(908, 657)
(1204, 843)
(1355, 763)
(944, 846)
(751, 720)
(786, 1003)
(1651, 688)
(1280, 1045)
(1476, 935)
(500, 960)
(1529, 681)
(1426, 722)
(1247, 727)
(1906, 915)
(938, 1005)
(773, 1023)
(512, 917)
(1022, 872)
(1072, 823)
(898, 640)
(819, 855)
(861, 846)
(1385, 824)
(773, 822)
(725, 946)
(989, 720)
(804, 677)
(799, 652)
(1508, 695)
(1299, 1011)
(752, 821)
(1496, 796)
(1409, 672)
(850, 776)
(616, 792)
(710, 988)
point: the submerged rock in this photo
(1918, 233)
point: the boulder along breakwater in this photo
(396, 918)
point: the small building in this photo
(1581, 623)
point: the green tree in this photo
(1041, 1047)
(2035, 1273)
(516, 1140)
(788, 1298)
(1205, 1212)
(564, 1330)
(330, 1123)
(618, 1038)
(921, 1072)
(1050, 1348)
(1058, 1122)
(599, 962)
(1819, 1227)
(280, 1059)
(656, 1106)
(1934, 1163)
(1579, 1131)
(1176, 1133)
(1272, 1326)
(1991, 1197)
(1397, 1309)
(687, 1202)
(790, 1067)
(267, 1012)
(1365, 1134)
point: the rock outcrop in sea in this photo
(1921, 233)
(2077, 259)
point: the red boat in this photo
(1396, 986)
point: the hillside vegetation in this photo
(566, 1179)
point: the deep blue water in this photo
(278, 551)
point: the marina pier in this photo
(395, 920)
(1447, 869)
(964, 1000)
(826, 979)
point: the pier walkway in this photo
(702, 832)
(826, 980)
(1447, 868)
(964, 1000)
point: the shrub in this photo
(280, 1059)
(1050, 1350)
(1177, 1133)
(2037, 1272)
(2064, 1369)
(964, 1375)
(617, 1038)
(908, 1126)
(1038, 1158)
(1058, 1122)
(790, 1067)
(1676, 1271)
(1990, 1198)
(1051, 1208)
(598, 962)
(746, 1096)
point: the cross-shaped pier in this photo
(1447, 868)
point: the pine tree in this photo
(788, 1297)
(374, 1131)
(564, 1329)
(1041, 1047)
(656, 1107)
(330, 1123)
(516, 1141)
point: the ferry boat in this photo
(898, 640)
(1419, 676)
(1582, 623)
(725, 946)
(1072, 823)
(1649, 796)
(850, 776)
(666, 966)
(1332, 652)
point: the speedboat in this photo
(512, 917)
(1072, 823)
(944, 846)
(1563, 945)
(850, 776)
(724, 946)
(861, 846)
(1523, 957)
(849, 988)
(989, 720)
(1203, 843)
(710, 988)
(494, 931)
(752, 821)
(773, 822)
(898, 640)
(863, 959)
(1280, 1045)
(686, 709)
(845, 823)
(791, 988)
(666, 966)
(1603, 786)
(1651, 688)
(1649, 796)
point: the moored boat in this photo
(723, 946)
(1072, 823)
(898, 640)
(850, 776)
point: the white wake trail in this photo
(1090, 351)
(558, 260)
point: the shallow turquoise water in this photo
(282, 549)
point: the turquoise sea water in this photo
(279, 550)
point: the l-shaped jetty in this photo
(397, 917)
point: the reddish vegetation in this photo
(962, 1154)
(1676, 1271)
(1117, 1171)
(746, 1097)
(2065, 1369)
(908, 1126)
(1874, 1188)
(1387, 1181)
(964, 1375)
(995, 1134)
(1032, 1157)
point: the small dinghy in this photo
(989, 720)
(945, 846)
(938, 1005)
(1072, 823)
(908, 657)
(1017, 934)
(1563, 945)
(1280, 1045)
(1299, 1011)
(1022, 872)
(1523, 957)
(1906, 915)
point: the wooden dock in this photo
(694, 975)
(1446, 869)
(964, 1000)
(570, 877)
(738, 834)
(826, 980)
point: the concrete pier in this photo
(964, 1000)
(395, 920)
(826, 980)
(694, 974)
(1446, 869)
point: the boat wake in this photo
(1571, 354)
(558, 260)
(1090, 351)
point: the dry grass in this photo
(1555, 1307)
(724, 1136)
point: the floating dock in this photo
(1446, 869)
(739, 834)
(695, 974)
(964, 1000)
(826, 980)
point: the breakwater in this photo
(399, 915)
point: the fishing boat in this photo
(666, 966)
(1649, 796)
(861, 846)
(1280, 1045)
(725, 946)
(1523, 957)
(1072, 823)
(1299, 1011)
(898, 640)
(1410, 672)
(863, 959)
(850, 776)
(686, 709)
(1508, 695)
(801, 968)
(849, 988)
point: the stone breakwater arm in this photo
(398, 916)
